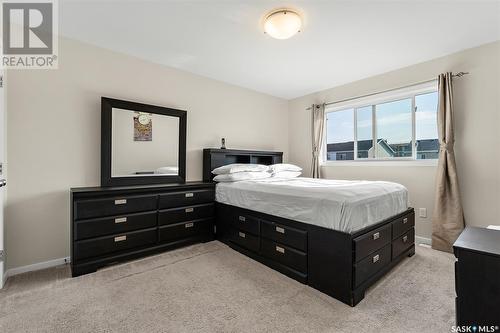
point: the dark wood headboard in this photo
(214, 158)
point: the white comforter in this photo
(341, 205)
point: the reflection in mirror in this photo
(144, 144)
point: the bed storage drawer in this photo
(284, 255)
(178, 231)
(284, 235)
(372, 264)
(372, 241)
(109, 244)
(85, 209)
(245, 239)
(114, 225)
(246, 223)
(175, 215)
(186, 198)
(402, 244)
(402, 225)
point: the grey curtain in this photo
(448, 218)
(318, 129)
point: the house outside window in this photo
(394, 125)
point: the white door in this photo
(3, 182)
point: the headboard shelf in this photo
(214, 158)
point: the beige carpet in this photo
(211, 288)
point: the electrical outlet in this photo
(422, 212)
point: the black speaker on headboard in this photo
(214, 158)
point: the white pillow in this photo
(284, 167)
(237, 167)
(286, 174)
(237, 176)
(169, 170)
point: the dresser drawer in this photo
(178, 231)
(284, 235)
(285, 255)
(186, 198)
(114, 225)
(371, 264)
(403, 224)
(103, 245)
(246, 223)
(85, 209)
(372, 241)
(402, 244)
(195, 212)
(244, 239)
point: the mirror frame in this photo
(107, 179)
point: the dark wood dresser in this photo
(114, 224)
(477, 277)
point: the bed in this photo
(343, 205)
(339, 237)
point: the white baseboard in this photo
(35, 267)
(423, 240)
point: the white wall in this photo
(477, 111)
(54, 133)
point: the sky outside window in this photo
(426, 115)
(340, 126)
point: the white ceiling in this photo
(342, 41)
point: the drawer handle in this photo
(121, 202)
(242, 218)
(405, 239)
(376, 235)
(242, 234)
(280, 230)
(120, 220)
(189, 225)
(405, 220)
(189, 195)
(376, 258)
(280, 249)
(189, 210)
(120, 239)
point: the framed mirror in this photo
(141, 144)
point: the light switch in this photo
(422, 212)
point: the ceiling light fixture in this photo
(282, 24)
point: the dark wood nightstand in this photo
(477, 277)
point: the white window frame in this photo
(372, 100)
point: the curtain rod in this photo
(459, 74)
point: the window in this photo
(394, 129)
(340, 133)
(426, 126)
(396, 125)
(365, 132)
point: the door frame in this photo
(3, 154)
